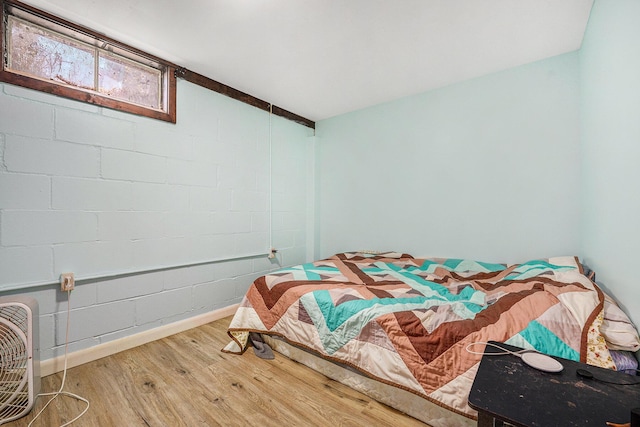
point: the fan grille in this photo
(14, 361)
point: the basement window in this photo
(46, 53)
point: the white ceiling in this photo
(321, 58)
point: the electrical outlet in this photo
(272, 253)
(67, 282)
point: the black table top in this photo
(512, 391)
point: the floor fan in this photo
(19, 357)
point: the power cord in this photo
(584, 373)
(533, 358)
(588, 375)
(64, 376)
(504, 353)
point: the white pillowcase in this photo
(617, 329)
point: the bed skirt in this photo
(401, 400)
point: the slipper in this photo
(260, 348)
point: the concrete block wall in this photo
(95, 191)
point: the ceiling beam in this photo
(223, 89)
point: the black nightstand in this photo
(506, 389)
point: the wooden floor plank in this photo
(185, 380)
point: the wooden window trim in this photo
(169, 95)
(173, 71)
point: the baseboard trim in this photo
(56, 364)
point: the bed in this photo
(398, 328)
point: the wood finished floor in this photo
(185, 380)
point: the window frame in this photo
(168, 70)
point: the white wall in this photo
(94, 191)
(610, 70)
(488, 169)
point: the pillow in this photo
(617, 329)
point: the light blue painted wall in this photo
(610, 73)
(487, 169)
(500, 168)
(93, 191)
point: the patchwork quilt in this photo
(407, 321)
